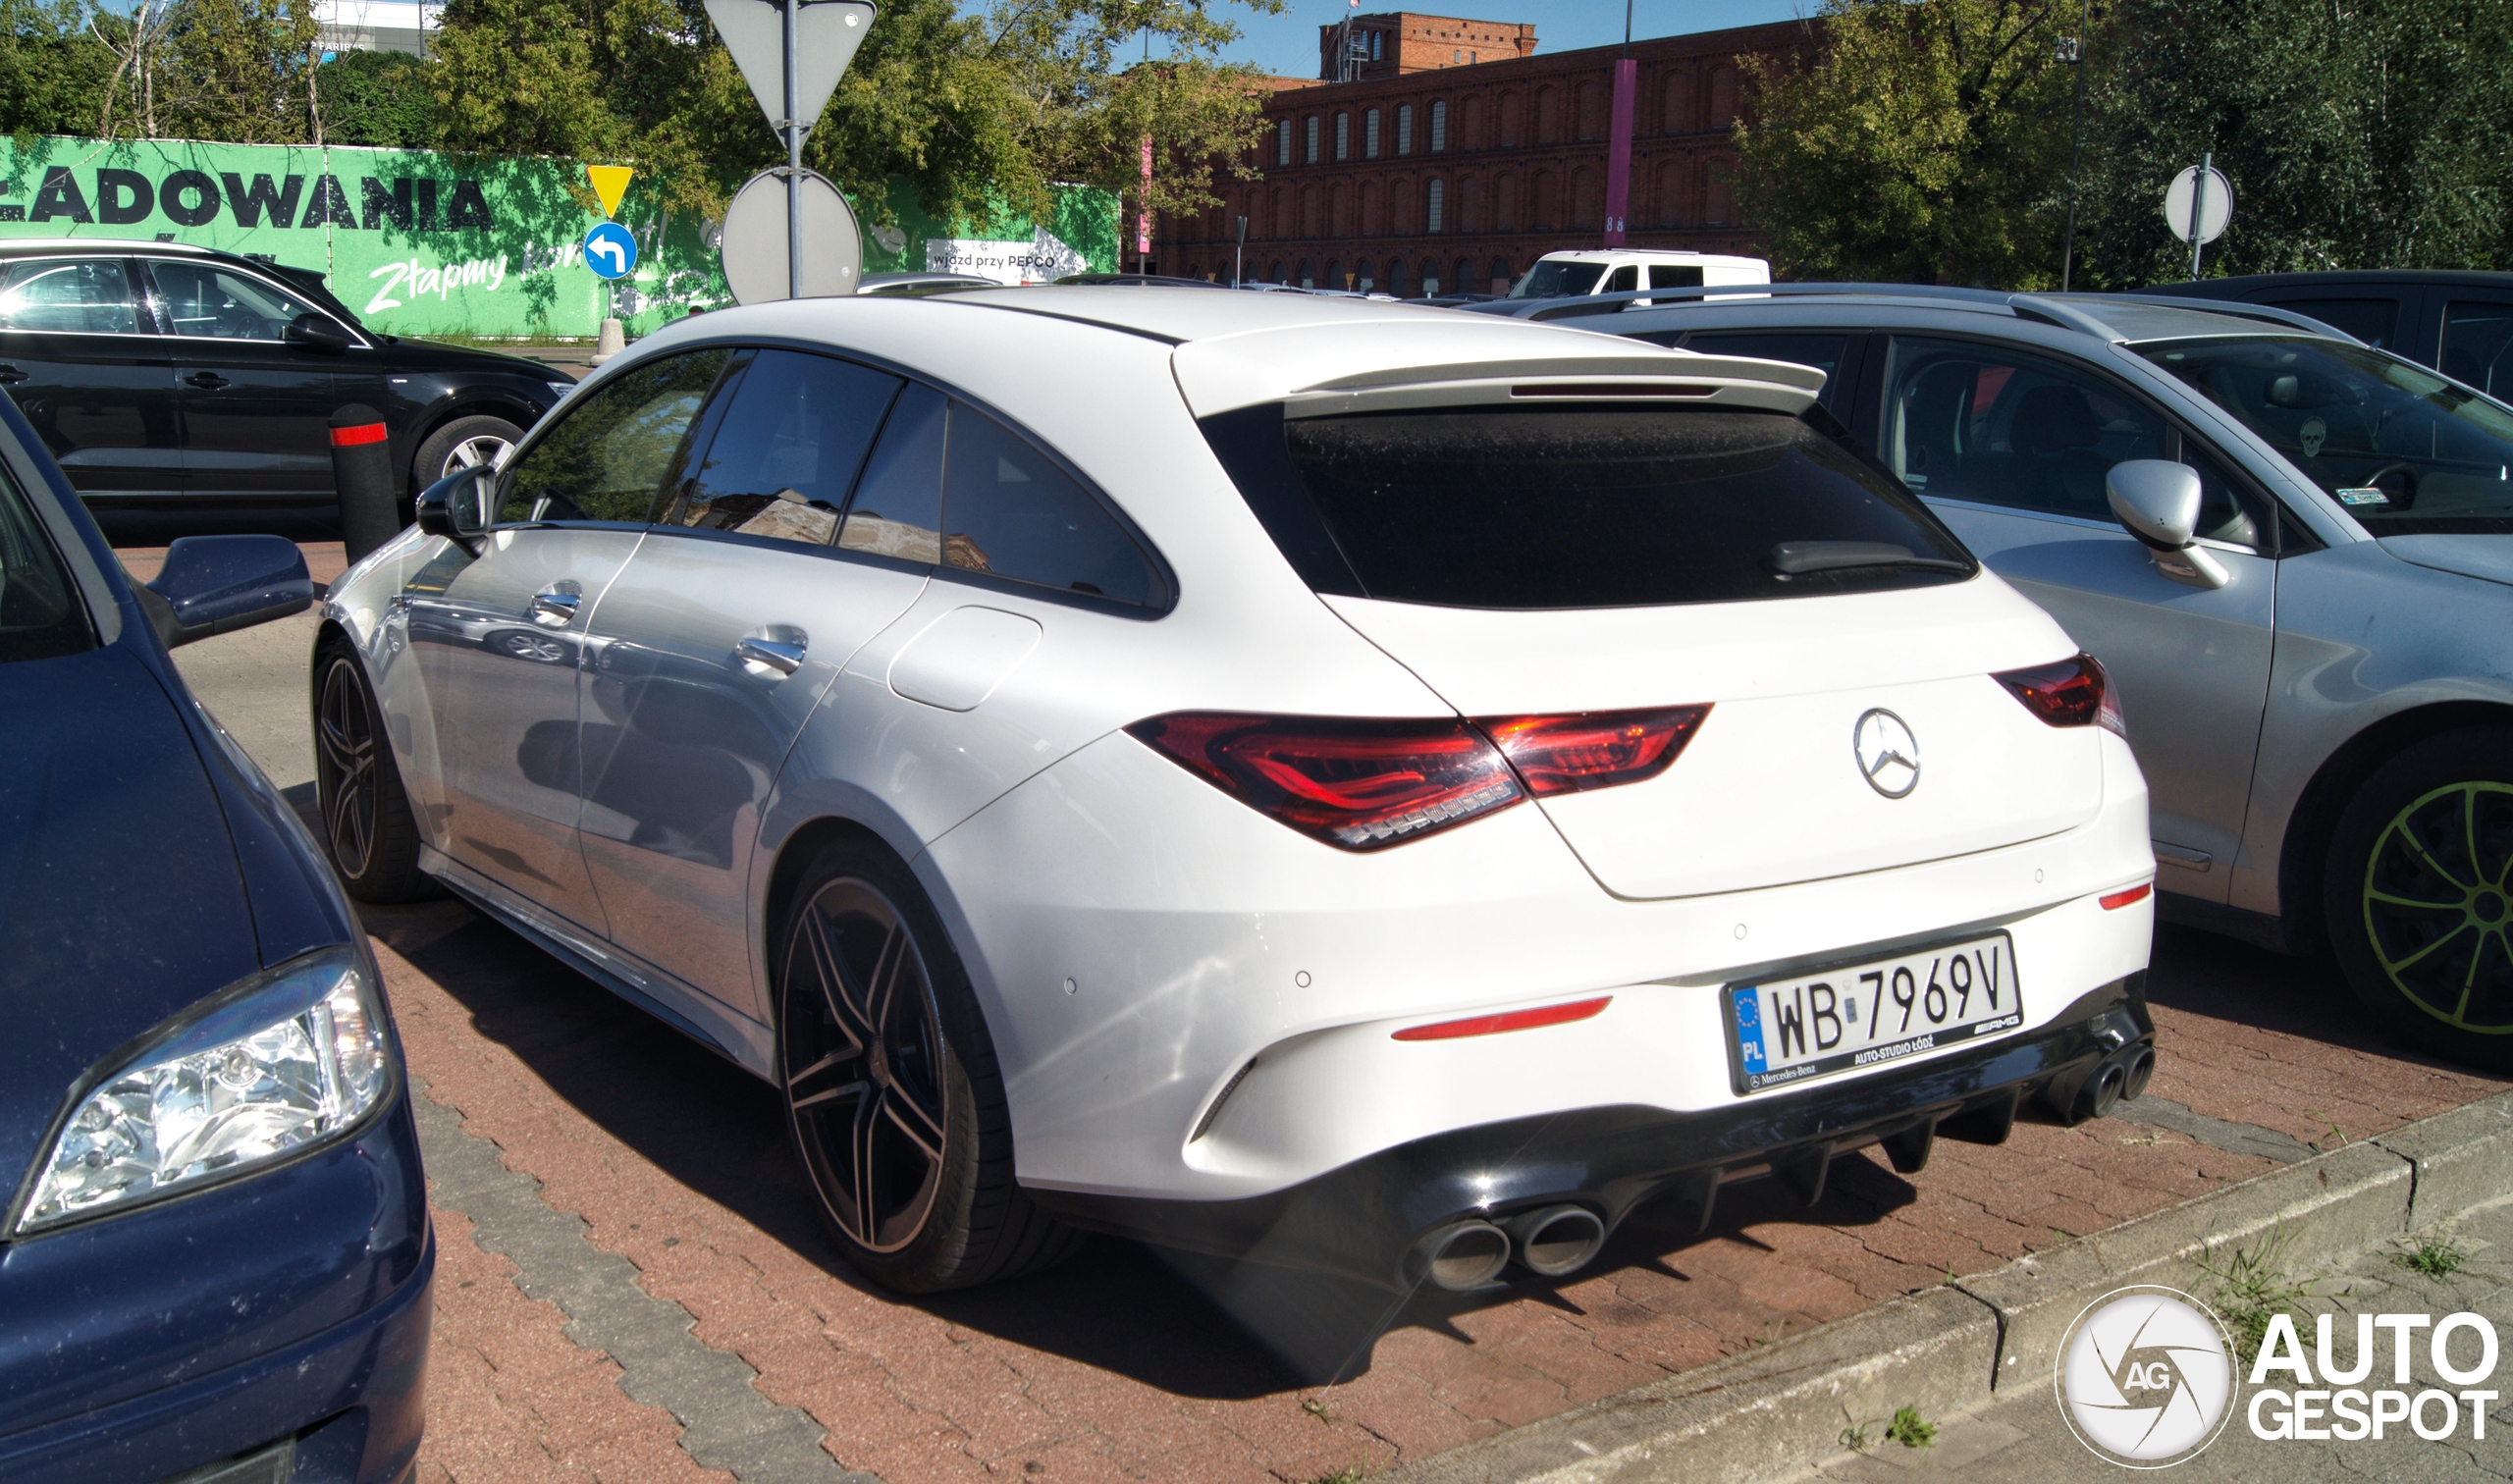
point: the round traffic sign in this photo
(2182, 194)
(754, 248)
(611, 251)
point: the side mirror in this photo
(316, 333)
(2157, 500)
(216, 584)
(457, 505)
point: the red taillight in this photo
(1557, 754)
(1358, 784)
(2113, 901)
(1513, 1019)
(2071, 693)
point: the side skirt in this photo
(736, 1037)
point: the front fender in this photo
(2362, 638)
(368, 606)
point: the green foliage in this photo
(53, 71)
(377, 97)
(2438, 1257)
(1910, 1429)
(2357, 134)
(2252, 1287)
(1926, 143)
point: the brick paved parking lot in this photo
(601, 1183)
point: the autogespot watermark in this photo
(2148, 1378)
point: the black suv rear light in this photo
(1558, 755)
(2071, 693)
(1356, 784)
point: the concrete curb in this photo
(1776, 1410)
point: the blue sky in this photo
(1288, 43)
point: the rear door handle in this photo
(782, 657)
(207, 381)
(556, 607)
(10, 376)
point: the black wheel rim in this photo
(344, 759)
(862, 1063)
(2439, 905)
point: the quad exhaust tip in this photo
(2115, 1079)
(1466, 1254)
(1557, 1240)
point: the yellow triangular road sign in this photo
(611, 183)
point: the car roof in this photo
(53, 246)
(1235, 349)
(2337, 278)
(2124, 319)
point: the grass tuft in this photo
(1910, 1429)
(2438, 1256)
(2253, 1287)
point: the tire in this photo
(458, 445)
(2419, 895)
(890, 1086)
(367, 828)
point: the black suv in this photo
(163, 376)
(2459, 323)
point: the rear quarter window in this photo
(1576, 507)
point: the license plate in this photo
(1866, 1015)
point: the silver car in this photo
(2295, 554)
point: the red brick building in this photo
(1457, 157)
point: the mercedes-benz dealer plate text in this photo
(1866, 1015)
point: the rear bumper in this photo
(1361, 1220)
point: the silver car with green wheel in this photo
(2293, 552)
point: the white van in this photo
(1620, 270)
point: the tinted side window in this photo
(1673, 276)
(2478, 347)
(1981, 423)
(70, 296)
(1009, 510)
(610, 454)
(1818, 349)
(899, 507)
(786, 450)
(40, 614)
(2375, 321)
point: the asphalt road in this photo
(633, 1286)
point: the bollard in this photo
(362, 474)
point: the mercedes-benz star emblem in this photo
(1889, 756)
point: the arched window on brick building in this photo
(1439, 126)
(1405, 128)
(1370, 131)
(1435, 198)
(1308, 127)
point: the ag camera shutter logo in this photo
(2146, 1377)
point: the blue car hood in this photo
(121, 900)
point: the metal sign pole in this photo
(1238, 254)
(793, 160)
(2198, 209)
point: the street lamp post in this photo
(2073, 51)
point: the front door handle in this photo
(10, 376)
(776, 654)
(207, 381)
(557, 606)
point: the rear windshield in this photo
(1581, 506)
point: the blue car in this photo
(215, 1257)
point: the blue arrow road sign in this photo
(609, 251)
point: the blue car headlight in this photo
(271, 1067)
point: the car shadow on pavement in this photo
(2305, 996)
(1132, 1311)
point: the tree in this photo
(1926, 143)
(377, 97)
(2356, 133)
(53, 70)
(979, 112)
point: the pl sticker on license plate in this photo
(1869, 1014)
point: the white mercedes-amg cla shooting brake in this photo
(1337, 785)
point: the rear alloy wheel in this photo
(367, 828)
(890, 1086)
(2420, 894)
